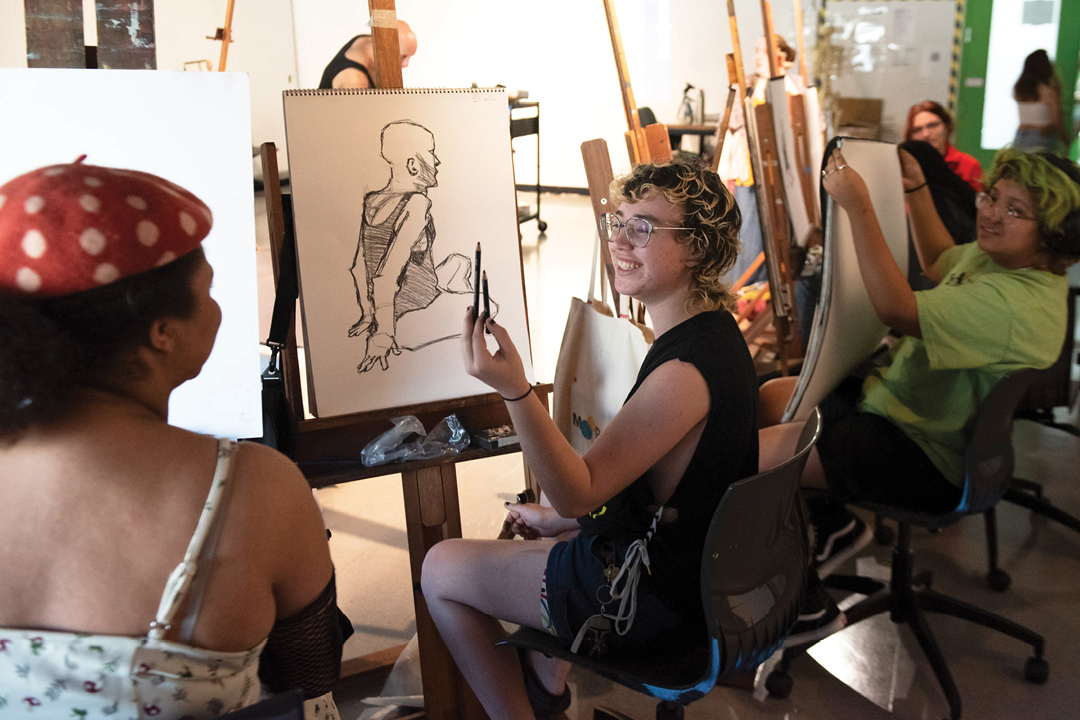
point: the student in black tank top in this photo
(687, 430)
(354, 64)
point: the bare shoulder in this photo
(284, 525)
(677, 378)
(350, 78)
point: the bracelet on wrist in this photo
(908, 192)
(519, 397)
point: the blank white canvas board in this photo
(776, 94)
(846, 328)
(193, 129)
(391, 192)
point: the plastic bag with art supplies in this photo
(408, 440)
(598, 364)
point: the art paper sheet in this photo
(392, 189)
(193, 129)
(846, 327)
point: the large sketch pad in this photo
(392, 189)
(846, 329)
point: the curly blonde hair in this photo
(709, 211)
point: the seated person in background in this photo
(655, 475)
(147, 570)
(354, 63)
(954, 199)
(930, 122)
(899, 436)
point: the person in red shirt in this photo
(930, 122)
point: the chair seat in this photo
(677, 666)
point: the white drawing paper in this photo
(392, 190)
(846, 328)
(193, 129)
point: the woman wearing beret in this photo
(145, 571)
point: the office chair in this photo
(1050, 388)
(753, 570)
(988, 463)
(285, 706)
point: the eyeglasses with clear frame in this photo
(988, 201)
(637, 230)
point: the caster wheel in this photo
(779, 684)
(884, 535)
(542, 225)
(1036, 670)
(998, 580)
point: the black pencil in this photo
(487, 304)
(476, 286)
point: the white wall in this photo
(558, 50)
(262, 47)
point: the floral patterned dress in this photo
(73, 675)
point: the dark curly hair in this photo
(85, 338)
(709, 211)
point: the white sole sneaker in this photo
(835, 561)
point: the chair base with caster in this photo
(907, 598)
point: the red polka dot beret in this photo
(67, 228)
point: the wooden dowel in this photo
(770, 37)
(721, 132)
(736, 49)
(384, 37)
(800, 45)
(635, 144)
(226, 36)
(745, 277)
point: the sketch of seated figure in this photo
(407, 300)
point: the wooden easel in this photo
(225, 36)
(328, 449)
(772, 210)
(643, 145)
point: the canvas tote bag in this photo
(598, 364)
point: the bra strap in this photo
(180, 580)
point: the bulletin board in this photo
(896, 50)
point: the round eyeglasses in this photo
(985, 200)
(637, 230)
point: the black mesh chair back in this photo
(754, 566)
(753, 572)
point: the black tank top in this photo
(726, 453)
(339, 63)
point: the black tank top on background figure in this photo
(339, 63)
(726, 453)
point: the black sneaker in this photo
(819, 616)
(837, 542)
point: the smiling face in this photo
(658, 273)
(1012, 242)
(930, 128)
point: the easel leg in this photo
(432, 515)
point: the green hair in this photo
(1054, 184)
(1054, 192)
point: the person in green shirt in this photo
(898, 437)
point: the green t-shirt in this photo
(980, 324)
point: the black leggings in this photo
(866, 457)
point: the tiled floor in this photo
(871, 670)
